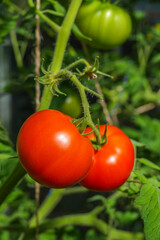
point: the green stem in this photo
(15, 176)
(75, 190)
(54, 13)
(61, 43)
(93, 92)
(52, 24)
(16, 50)
(77, 219)
(125, 235)
(46, 99)
(87, 220)
(76, 63)
(63, 35)
(31, 4)
(48, 205)
(52, 200)
(84, 220)
(143, 56)
(85, 105)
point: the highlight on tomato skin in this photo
(52, 151)
(113, 163)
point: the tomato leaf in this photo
(148, 163)
(7, 23)
(133, 189)
(6, 156)
(4, 138)
(149, 132)
(140, 176)
(156, 59)
(150, 212)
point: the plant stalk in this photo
(16, 50)
(85, 105)
(52, 24)
(61, 43)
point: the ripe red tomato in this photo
(106, 24)
(52, 151)
(113, 162)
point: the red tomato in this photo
(52, 151)
(113, 162)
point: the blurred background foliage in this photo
(133, 100)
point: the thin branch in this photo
(98, 87)
(145, 108)
(37, 56)
(37, 101)
(103, 104)
(52, 24)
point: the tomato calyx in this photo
(92, 71)
(97, 146)
(50, 79)
(80, 124)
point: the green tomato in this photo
(71, 106)
(106, 24)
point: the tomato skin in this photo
(52, 151)
(113, 162)
(106, 24)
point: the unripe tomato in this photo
(71, 106)
(113, 162)
(52, 151)
(106, 24)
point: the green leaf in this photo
(133, 189)
(140, 176)
(148, 163)
(149, 132)
(4, 138)
(149, 199)
(156, 58)
(5, 156)
(7, 23)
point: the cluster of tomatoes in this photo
(55, 154)
(50, 147)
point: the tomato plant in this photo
(113, 162)
(71, 106)
(106, 24)
(52, 151)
